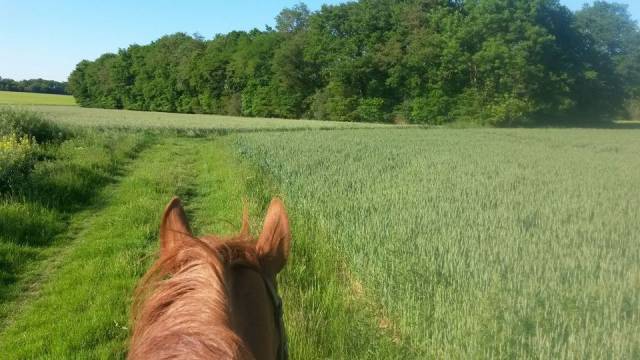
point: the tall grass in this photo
(20, 133)
(469, 243)
(22, 123)
(17, 156)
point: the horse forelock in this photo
(181, 307)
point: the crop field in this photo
(475, 243)
(24, 98)
(412, 243)
(184, 123)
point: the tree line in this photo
(498, 62)
(34, 85)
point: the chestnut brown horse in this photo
(213, 297)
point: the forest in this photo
(34, 86)
(489, 62)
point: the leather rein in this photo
(283, 347)
(276, 301)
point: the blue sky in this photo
(43, 38)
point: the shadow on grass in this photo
(624, 125)
(13, 261)
(27, 224)
(67, 188)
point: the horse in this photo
(213, 297)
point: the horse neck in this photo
(252, 312)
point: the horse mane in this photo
(181, 309)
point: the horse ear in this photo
(275, 240)
(174, 228)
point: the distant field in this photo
(23, 98)
(86, 117)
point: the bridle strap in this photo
(283, 347)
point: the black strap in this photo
(283, 348)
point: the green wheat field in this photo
(414, 243)
(24, 98)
